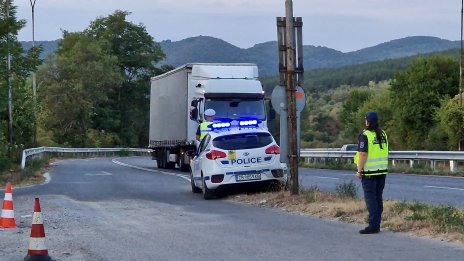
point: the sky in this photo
(344, 25)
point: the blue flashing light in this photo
(220, 125)
(242, 124)
(248, 123)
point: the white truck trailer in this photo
(179, 98)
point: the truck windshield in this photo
(237, 108)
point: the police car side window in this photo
(200, 145)
(204, 143)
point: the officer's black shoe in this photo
(369, 230)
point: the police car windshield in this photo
(237, 108)
(242, 141)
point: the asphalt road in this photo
(422, 188)
(125, 209)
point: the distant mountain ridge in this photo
(209, 49)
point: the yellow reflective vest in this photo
(204, 128)
(377, 158)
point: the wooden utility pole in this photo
(291, 103)
(10, 91)
(34, 89)
(460, 132)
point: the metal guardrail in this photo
(453, 157)
(38, 152)
(432, 157)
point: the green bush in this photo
(5, 164)
(347, 189)
(445, 218)
(310, 194)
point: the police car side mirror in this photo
(190, 153)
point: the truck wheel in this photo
(207, 193)
(166, 163)
(192, 183)
(161, 159)
(170, 165)
(158, 159)
(184, 167)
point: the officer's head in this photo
(209, 114)
(372, 120)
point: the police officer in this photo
(204, 127)
(372, 167)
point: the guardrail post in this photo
(432, 165)
(23, 160)
(453, 166)
(411, 163)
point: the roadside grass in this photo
(31, 174)
(439, 221)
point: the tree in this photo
(22, 64)
(77, 83)
(451, 120)
(136, 54)
(348, 116)
(416, 94)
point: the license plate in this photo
(245, 177)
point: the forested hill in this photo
(210, 49)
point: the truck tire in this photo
(184, 167)
(207, 193)
(170, 165)
(166, 163)
(161, 159)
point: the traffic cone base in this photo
(37, 250)
(38, 258)
(7, 219)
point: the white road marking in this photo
(183, 176)
(444, 188)
(326, 177)
(104, 173)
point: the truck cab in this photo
(234, 92)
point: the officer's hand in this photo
(359, 175)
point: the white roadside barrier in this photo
(451, 158)
(54, 151)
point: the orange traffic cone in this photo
(37, 250)
(7, 219)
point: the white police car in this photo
(232, 156)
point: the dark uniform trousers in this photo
(373, 188)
